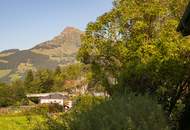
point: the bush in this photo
(45, 108)
(55, 108)
(117, 113)
(82, 104)
(123, 113)
(64, 121)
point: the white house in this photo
(50, 98)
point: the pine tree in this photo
(28, 81)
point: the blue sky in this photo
(25, 23)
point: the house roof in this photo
(55, 96)
(184, 25)
(39, 95)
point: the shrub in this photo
(55, 108)
(123, 113)
(117, 113)
(64, 121)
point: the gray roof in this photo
(39, 95)
(54, 96)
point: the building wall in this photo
(49, 101)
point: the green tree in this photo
(13, 94)
(4, 96)
(43, 81)
(57, 70)
(18, 93)
(135, 47)
(28, 81)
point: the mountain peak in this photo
(61, 50)
(66, 43)
(70, 29)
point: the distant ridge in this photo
(10, 51)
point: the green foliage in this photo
(18, 93)
(44, 109)
(19, 122)
(69, 73)
(28, 81)
(13, 94)
(118, 113)
(132, 33)
(13, 123)
(123, 113)
(132, 48)
(4, 100)
(85, 103)
(64, 121)
(45, 80)
(135, 47)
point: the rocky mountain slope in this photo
(61, 50)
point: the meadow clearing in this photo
(18, 122)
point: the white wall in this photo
(48, 101)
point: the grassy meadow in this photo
(17, 122)
(13, 123)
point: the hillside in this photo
(61, 50)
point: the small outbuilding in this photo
(50, 98)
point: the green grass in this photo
(16, 122)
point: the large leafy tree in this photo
(135, 47)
